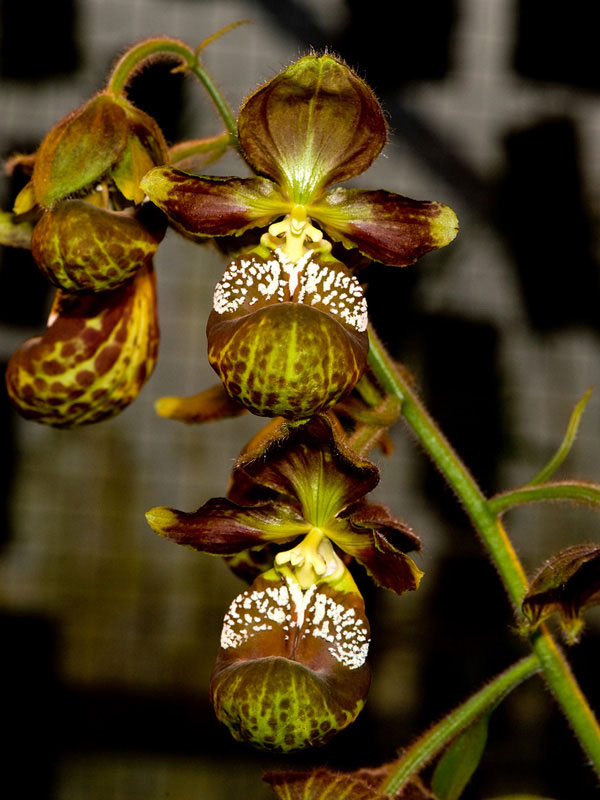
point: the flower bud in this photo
(93, 359)
(106, 135)
(80, 247)
(288, 339)
(292, 671)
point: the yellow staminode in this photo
(312, 559)
(291, 234)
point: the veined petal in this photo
(386, 227)
(201, 206)
(292, 667)
(311, 466)
(315, 124)
(223, 528)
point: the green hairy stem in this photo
(484, 516)
(130, 62)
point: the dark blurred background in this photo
(109, 633)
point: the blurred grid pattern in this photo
(126, 615)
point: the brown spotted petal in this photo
(92, 360)
(315, 124)
(222, 528)
(288, 339)
(292, 668)
(210, 206)
(82, 248)
(567, 584)
(384, 226)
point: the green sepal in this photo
(106, 137)
(321, 784)
(315, 124)
(79, 150)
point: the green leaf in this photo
(460, 761)
(566, 444)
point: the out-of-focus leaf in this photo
(521, 797)
(460, 760)
(14, 233)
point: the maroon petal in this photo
(386, 227)
(223, 528)
(208, 206)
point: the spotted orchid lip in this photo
(292, 668)
(259, 278)
(297, 614)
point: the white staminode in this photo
(310, 612)
(250, 279)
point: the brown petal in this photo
(93, 359)
(315, 124)
(201, 206)
(388, 566)
(384, 226)
(220, 527)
